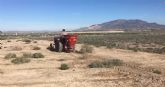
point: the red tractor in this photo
(64, 43)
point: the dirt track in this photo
(136, 72)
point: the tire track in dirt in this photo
(142, 76)
(54, 82)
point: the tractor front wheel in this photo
(51, 47)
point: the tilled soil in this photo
(137, 70)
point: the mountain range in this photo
(123, 24)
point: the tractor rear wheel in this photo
(59, 47)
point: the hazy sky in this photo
(71, 14)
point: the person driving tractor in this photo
(64, 43)
(64, 38)
(63, 33)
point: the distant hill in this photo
(123, 24)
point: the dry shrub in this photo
(35, 42)
(20, 60)
(25, 58)
(156, 71)
(36, 48)
(9, 41)
(106, 63)
(27, 41)
(38, 55)
(86, 49)
(61, 60)
(84, 56)
(34, 55)
(27, 55)
(10, 56)
(64, 67)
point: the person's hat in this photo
(63, 29)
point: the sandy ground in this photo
(136, 72)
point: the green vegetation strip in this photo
(147, 42)
(106, 63)
(25, 58)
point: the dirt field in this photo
(136, 72)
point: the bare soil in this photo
(136, 72)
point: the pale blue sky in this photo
(71, 14)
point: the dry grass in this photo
(1, 72)
(84, 56)
(16, 48)
(36, 48)
(86, 49)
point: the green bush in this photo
(106, 63)
(20, 60)
(86, 49)
(141, 41)
(64, 67)
(10, 56)
(38, 55)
